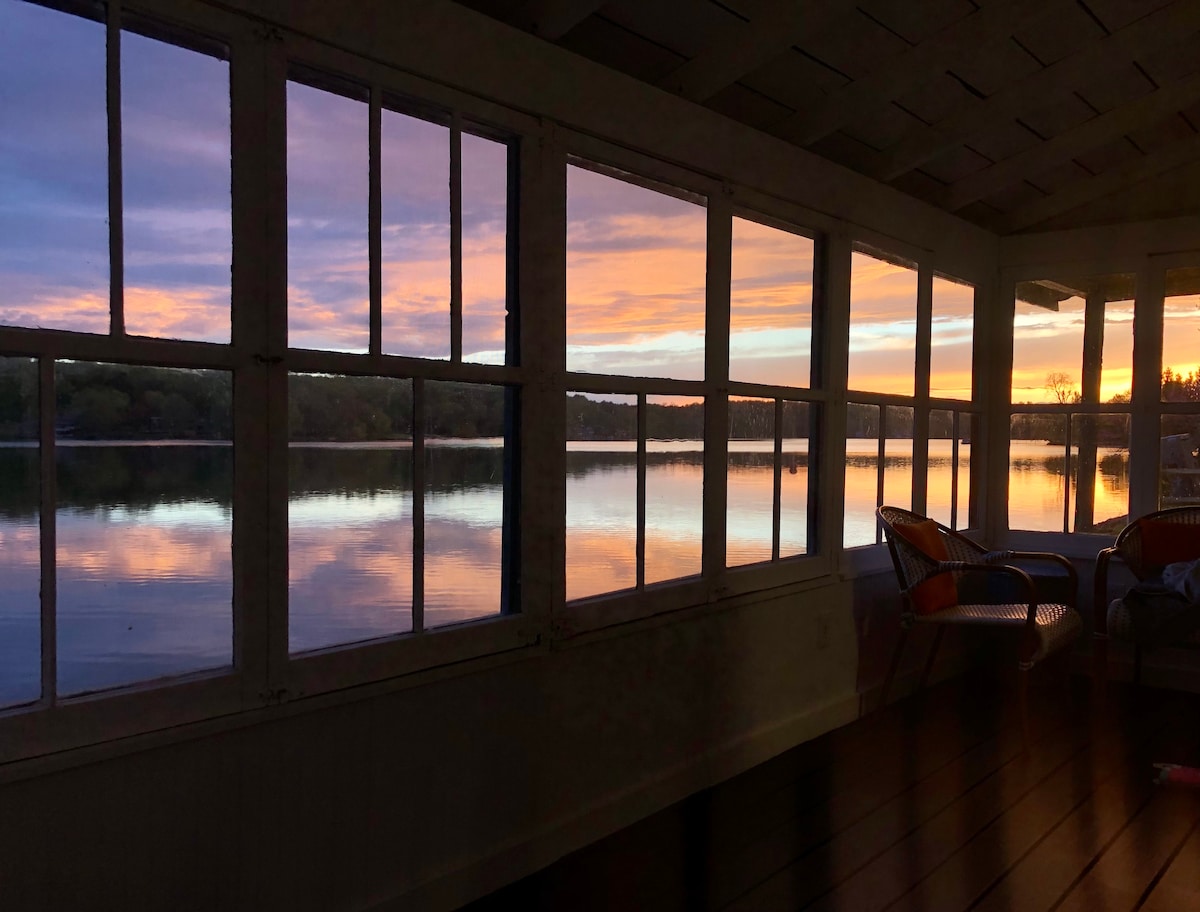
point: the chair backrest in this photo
(1131, 543)
(912, 565)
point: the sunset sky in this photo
(636, 256)
(54, 178)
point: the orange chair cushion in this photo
(1165, 542)
(939, 591)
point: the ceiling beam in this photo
(773, 28)
(1104, 184)
(1162, 27)
(912, 68)
(1134, 115)
(551, 19)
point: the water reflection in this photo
(144, 568)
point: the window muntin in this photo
(54, 262)
(883, 325)
(770, 305)
(175, 180)
(636, 260)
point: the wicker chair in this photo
(1048, 627)
(1112, 617)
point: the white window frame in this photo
(926, 266)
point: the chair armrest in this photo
(1100, 593)
(1024, 580)
(1051, 557)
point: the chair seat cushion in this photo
(1119, 624)
(1057, 625)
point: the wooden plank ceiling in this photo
(1018, 115)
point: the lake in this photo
(144, 571)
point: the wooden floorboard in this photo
(930, 804)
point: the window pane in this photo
(949, 465)
(20, 544)
(770, 306)
(1181, 322)
(636, 262)
(415, 165)
(950, 339)
(1179, 482)
(749, 517)
(1037, 473)
(883, 326)
(349, 509)
(862, 475)
(674, 486)
(1047, 345)
(53, 170)
(464, 501)
(327, 171)
(485, 249)
(798, 420)
(1116, 376)
(601, 494)
(1100, 473)
(144, 523)
(175, 181)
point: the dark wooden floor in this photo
(930, 804)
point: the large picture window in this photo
(768, 482)
(910, 418)
(205, 474)
(401, 512)
(636, 254)
(1071, 385)
(116, 514)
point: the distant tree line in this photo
(119, 402)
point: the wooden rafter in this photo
(551, 19)
(1134, 115)
(910, 69)
(1105, 184)
(775, 27)
(1009, 102)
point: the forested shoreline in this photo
(120, 402)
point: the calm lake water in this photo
(144, 572)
